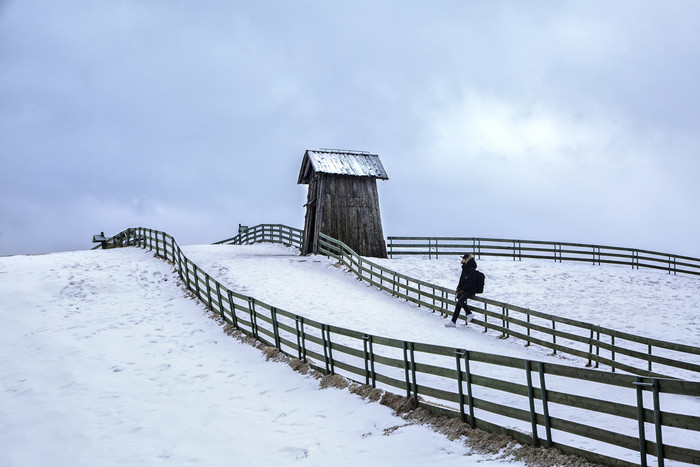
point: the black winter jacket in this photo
(467, 279)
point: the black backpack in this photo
(479, 282)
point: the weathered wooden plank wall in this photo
(348, 209)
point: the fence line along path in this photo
(599, 346)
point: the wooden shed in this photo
(343, 201)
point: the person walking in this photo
(465, 289)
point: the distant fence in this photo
(528, 400)
(275, 233)
(557, 251)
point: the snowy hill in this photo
(106, 362)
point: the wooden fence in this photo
(529, 400)
(557, 251)
(596, 345)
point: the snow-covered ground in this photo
(104, 361)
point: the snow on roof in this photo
(337, 162)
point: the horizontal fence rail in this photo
(531, 249)
(528, 400)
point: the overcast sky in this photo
(549, 120)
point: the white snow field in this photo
(105, 361)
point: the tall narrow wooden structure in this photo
(343, 201)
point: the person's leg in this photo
(461, 303)
(470, 316)
(455, 315)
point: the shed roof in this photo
(337, 162)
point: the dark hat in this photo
(466, 255)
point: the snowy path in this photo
(104, 362)
(315, 287)
(643, 302)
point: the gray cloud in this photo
(562, 121)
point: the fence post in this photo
(275, 328)
(531, 397)
(253, 317)
(232, 306)
(178, 261)
(612, 344)
(486, 319)
(596, 254)
(405, 368)
(413, 373)
(527, 344)
(460, 391)
(220, 301)
(365, 337)
(640, 420)
(301, 338)
(196, 281)
(187, 274)
(207, 280)
(657, 423)
(504, 312)
(327, 348)
(545, 405)
(672, 264)
(470, 396)
(507, 323)
(369, 353)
